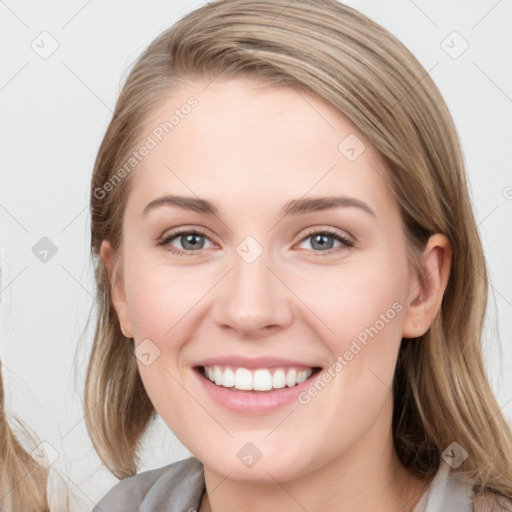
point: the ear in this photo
(426, 294)
(117, 290)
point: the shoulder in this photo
(181, 482)
(450, 490)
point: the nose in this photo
(254, 301)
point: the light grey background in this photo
(54, 112)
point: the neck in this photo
(368, 476)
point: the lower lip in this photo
(247, 402)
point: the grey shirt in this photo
(179, 487)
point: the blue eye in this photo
(320, 239)
(192, 242)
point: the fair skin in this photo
(250, 149)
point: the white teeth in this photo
(243, 379)
(262, 380)
(279, 379)
(257, 380)
(291, 377)
(217, 372)
(228, 379)
(301, 377)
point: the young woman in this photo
(289, 274)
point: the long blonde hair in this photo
(22, 480)
(441, 391)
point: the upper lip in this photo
(256, 362)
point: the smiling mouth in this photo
(261, 380)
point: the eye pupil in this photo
(321, 240)
(189, 239)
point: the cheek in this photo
(360, 308)
(160, 297)
(356, 301)
(161, 302)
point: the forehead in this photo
(242, 142)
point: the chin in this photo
(264, 470)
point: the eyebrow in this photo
(293, 207)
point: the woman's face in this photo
(293, 265)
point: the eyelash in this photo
(346, 243)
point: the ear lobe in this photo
(426, 294)
(117, 289)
